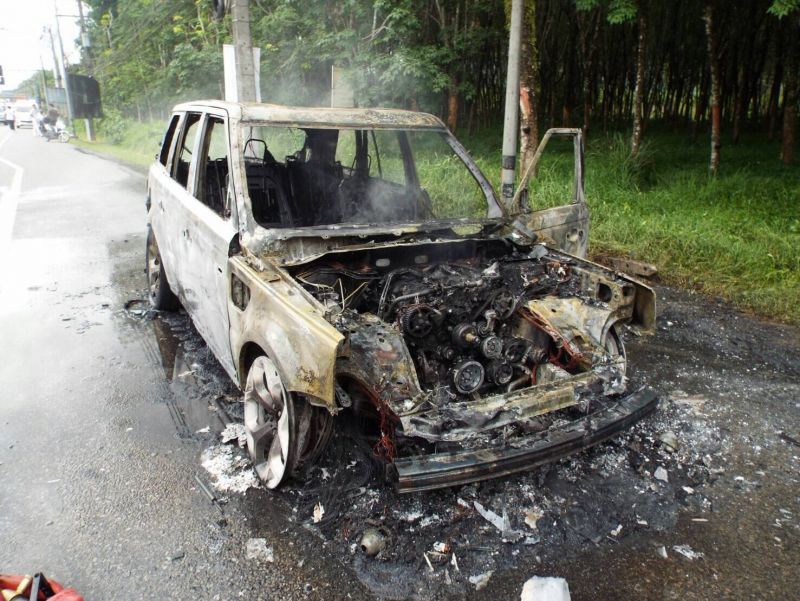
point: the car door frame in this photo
(565, 226)
(202, 246)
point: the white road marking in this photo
(8, 202)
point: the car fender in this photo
(289, 326)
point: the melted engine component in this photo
(458, 321)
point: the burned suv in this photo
(356, 263)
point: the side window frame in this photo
(169, 139)
(201, 154)
(190, 180)
(173, 148)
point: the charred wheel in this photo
(284, 433)
(161, 295)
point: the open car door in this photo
(566, 227)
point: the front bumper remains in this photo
(440, 470)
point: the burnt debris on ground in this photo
(442, 538)
(705, 441)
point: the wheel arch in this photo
(249, 352)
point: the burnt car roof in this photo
(321, 117)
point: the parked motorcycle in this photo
(58, 131)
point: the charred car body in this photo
(357, 261)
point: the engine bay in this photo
(471, 313)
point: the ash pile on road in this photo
(412, 545)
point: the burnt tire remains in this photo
(159, 291)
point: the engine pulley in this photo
(465, 335)
(499, 372)
(492, 347)
(468, 376)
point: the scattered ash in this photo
(231, 471)
(438, 540)
(712, 438)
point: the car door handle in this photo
(161, 205)
(185, 234)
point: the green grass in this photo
(736, 235)
(138, 144)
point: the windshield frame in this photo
(494, 208)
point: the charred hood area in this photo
(449, 340)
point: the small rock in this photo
(662, 552)
(532, 516)
(670, 441)
(687, 552)
(319, 511)
(481, 580)
(545, 589)
(257, 549)
(661, 474)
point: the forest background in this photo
(689, 106)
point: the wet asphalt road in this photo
(99, 416)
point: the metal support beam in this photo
(511, 119)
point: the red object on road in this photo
(12, 581)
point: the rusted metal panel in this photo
(288, 325)
(633, 267)
(320, 117)
(565, 227)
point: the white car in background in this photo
(23, 114)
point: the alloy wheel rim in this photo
(268, 420)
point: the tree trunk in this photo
(740, 104)
(700, 107)
(529, 87)
(452, 105)
(790, 93)
(713, 62)
(638, 93)
(775, 90)
(588, 29)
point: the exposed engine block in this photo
(458, 320)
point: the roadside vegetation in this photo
(736, 235)
(127, 140)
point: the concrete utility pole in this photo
(89, 63)
(63, 65)
(44, 79)
(56, 68)
(243, 50)
(511, 119)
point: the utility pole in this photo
(64, 66)
(44, 80)
(56, 68)
(89, 63)
(243, 51)
(511, 118)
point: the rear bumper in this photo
(427, 472)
